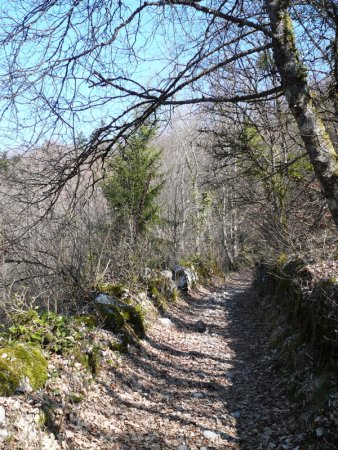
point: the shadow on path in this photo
(185, 390)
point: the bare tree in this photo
(82, 61)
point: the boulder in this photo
(22, 369)
(121, 316)
(184, 277)
(162, 289)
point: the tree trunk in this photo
(335, 69)
(297, 92)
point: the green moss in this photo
(161, 292)
(187, 263)
(290, 34)
(26, 317)
(21, 361)
(153, 290)
(137, 320)
(329, 282)
(300, 169)
(123, 318)
(175, 295)
(41, 419)
(115, 290)
(290, 41)
(205, 267)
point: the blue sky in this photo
(27, 113)
(158, 44)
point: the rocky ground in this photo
(204, 378)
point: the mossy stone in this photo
(161, 291)
(115, 290)
(137, 320)
(111, 316)
(19, 361)
(123, 317)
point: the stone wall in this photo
(308, 299)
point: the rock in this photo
(105, 299)
(167, 274)
(200, 326)
(143, 297)
(146, 272)
(49, 442)
(229, 375)
(184, 277)
(166, 322)
(161, 289)
(2, 416)
(182, 447)
(119, 316)
(3, 434)
(210, 435)
(24, 386)
(22, 368)
(236, 414)
(198, 395)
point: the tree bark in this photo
(335, 69)
(296, 89)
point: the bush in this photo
(53, 332)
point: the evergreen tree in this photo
(134, 183)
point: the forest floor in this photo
(183, 389)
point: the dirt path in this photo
(187, 390)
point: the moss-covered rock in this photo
(205, 267)
(185, 277)
(19, 362)
(115, 290)
(121, 316)
(162, 290)
(308, 304)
